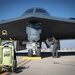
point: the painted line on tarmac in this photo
(5, 73)
(20, 64)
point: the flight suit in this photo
(55, 48)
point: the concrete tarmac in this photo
(64, 65)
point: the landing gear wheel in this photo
(38, 52)
(0, 69)
(30, 53)
(14, 67)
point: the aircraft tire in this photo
(30, 53)
(38, 53)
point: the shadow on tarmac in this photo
(47, 54)
(20, 69)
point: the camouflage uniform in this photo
(55, 47)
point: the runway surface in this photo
(64, 65)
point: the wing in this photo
(60, 28)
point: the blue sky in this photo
(59, 8)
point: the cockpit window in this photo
(29, 11)
(41, 11)
(36, 10)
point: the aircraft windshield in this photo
(36, 10)
(41, 11)
(29, 11)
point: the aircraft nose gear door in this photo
(33, 32)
